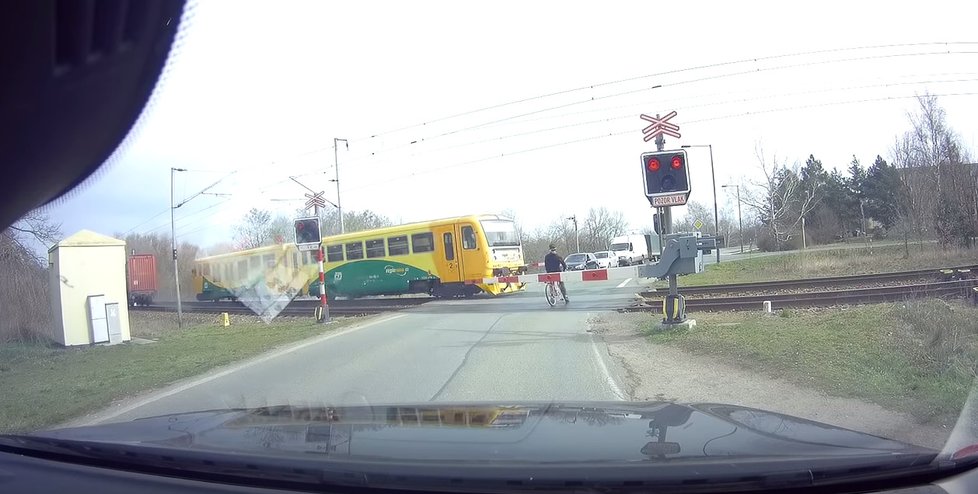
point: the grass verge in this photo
(824, 262)
(917, 357)
(45, 385)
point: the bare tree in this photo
(780, 201)
(938, 179)
(24, 284)
(254, 229)
(600, 226)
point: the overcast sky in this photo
(255, 92)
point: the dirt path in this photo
(660, 372)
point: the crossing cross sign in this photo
(660, 126)
(315, 200)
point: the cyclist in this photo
(555, 264)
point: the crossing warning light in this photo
(307, 233)
(666, 185)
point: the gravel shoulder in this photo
(661, 372)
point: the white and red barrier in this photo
(607, 274)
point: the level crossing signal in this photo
(666, 177)
(308, 234)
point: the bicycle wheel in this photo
(551, 294)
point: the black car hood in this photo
(520, 432)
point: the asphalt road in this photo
(514, 347)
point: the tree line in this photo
(929, 191)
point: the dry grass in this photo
(45, 385)
(832, 262)
(917, 357)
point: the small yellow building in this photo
(87, 273)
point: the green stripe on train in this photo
(371, 277)
(211, 291)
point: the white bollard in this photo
(767, 306)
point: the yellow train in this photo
(444, 258)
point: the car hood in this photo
(520, 432)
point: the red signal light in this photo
(677, 162)
(653, 165)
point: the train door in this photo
(447, 253)
(472, 258)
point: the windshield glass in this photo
(501, 233)
(333, 221)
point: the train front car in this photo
(504, 252)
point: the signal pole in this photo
(336, 164)
(173, 245)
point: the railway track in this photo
(826, 282)
(826, 298)
(296, 308)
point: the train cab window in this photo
(422, 242)
(354, 250)
(397, 246)
(449, 246)
(334, 253)
(375, 248)
(468, 238)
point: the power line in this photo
(671, 72)
(664, 85)
(632, 130)
(704, 105)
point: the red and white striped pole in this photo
(323, 305)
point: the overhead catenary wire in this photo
(609, 83)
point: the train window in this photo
(206, 271)
(354, 250)
(468, 238)
(449, 246)
(375, 248)
(397, 246)
(254, 262)
(334, 253)
(422, 242)
(295, 259)
(269, 260)
(243, 269)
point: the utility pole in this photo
(716, 211)
(740, 218)
(173, 245)
(336, 163)
(576, 234)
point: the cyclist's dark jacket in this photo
(554, 263)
